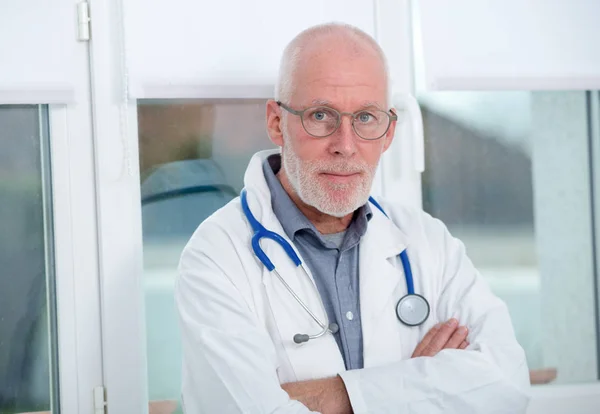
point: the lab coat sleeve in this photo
(229, 361)
(490, 376)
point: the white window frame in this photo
(399, 174)
(72, 227)
(76, 240)
(119, 214)
(75, 245)
(76, 264)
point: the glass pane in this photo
(508, 173)
(192, 159)
(28, 348)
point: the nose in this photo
(343, 141)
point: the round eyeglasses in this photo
(322, 121)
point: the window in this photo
(193, 155)
(494, 162)
(28, 345)
(510, 175)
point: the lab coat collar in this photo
(254, 179)
(259, 194)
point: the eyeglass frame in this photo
(391, 116)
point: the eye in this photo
(365, 117)
(319, 115)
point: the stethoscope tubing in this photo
(410, 287)
(261, 232)
(300, 301)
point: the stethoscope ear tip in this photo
(301, 338)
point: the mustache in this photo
(339, 168)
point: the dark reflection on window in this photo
(171, 132)
(478, 181)
(474, 177)
(24, 361)
(193, 155)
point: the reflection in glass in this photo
(481, 148)
(478, 182)
(28, 379)
(193, 155)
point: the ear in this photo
(274, 123)
(389, 135)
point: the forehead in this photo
(346, 77)
(356, 104)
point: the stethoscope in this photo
(412, 309)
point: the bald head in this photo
(329, 48)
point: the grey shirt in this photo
(332, 260)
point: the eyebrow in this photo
(321, 102)
(365, 104)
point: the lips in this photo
(340, 178)
(341, 174)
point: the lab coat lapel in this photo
(317, 358)
(381, 283)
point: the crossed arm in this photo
(329, 395)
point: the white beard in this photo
(337, 200)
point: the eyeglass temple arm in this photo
(290, 110)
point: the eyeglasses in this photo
(322, 121)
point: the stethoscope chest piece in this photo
(412, 309)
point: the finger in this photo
(457, 338)
(463, 345)
(441, 338)
(426, 340)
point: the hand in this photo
(442, 336)
(326, 396)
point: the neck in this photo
(324, 223)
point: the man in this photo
(241, 322)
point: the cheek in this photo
(306, 146)
(371, 152)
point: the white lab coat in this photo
(238, 321)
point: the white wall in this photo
(511, 44)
